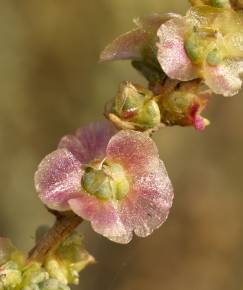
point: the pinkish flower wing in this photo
(126, 46)
(104, 217)
(152, 22)
(148, 205)
(131, 44)
(224, 79)
(135, 151)
(58, 178)
(89, 142)
(171, 54)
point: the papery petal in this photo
(153, 21)
(171, 54)
(89, 142)
(104, 217)
(134, 150)
(147, 208)
(224, 79)
(126, 46)
(58, 179)
(131, 44)
(6, 248)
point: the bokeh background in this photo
(51, 83)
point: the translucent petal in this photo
(58, 179)
(104, 217)
(126, 46)
(131, 44)
(153, 21)
(171, 52)
(135, 151)
(147, 207)
(224, 79)
(89, 142)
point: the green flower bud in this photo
(109, 182)
(149, 114)
(194, 48)
(214, 57)
(34, 274)
(56, 270)
(137, 105)
(220, 3)
(183, 107)
(10, 275)
(97, 183)
(74, 257)
(53, 284)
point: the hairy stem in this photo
(63, 227)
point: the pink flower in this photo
(114, 180)
(205, 44)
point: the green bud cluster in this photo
(58, 270)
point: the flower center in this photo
(106, 182)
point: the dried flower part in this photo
(184, 106)
(206, 44)
(135, 106)
(125, 190)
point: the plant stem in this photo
(63, 227)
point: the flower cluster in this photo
(205, 45)
(109, 172)
(57, 271)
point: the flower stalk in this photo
(64, 225)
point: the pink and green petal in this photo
(224, 79)
(89, 142)
(104, 217)
(135, 151)
(147, 208)
(171, 54)
(58, 178)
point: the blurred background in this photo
(51, 83)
